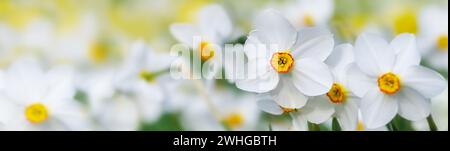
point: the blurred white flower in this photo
(80, 44)
(433, 22)
(110, 111)
(390, 80)
(213, 27)
(121, 98)
(308, 13)
(286, 63)
(38, 100)
(184, 95)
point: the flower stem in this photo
(335, 125)
(313, 127)
(391, 126)
(431, 123)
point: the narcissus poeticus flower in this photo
(285, 63)
(307, 13)
(340, 101)
(390, 80)
(433, 33)
(213, 28)
(38, 100)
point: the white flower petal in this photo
(299, 122)
(215, 22)
(71, 116)
(274, 29)
(288, 96)
(373, 55)
(25, 82)
(119, 115)
(347, 114)
(378, 109)
(2, 80)
(313, 43)
(412, 105)
(405, 46)
(341, 57)
(425, 81)
(434, 20)
(319, 109)
(262, 78)
(61, 85)
(268, 105)
(312, 77)
(438, 60)
(358, 82)
(184, 33)
(255, 48)
(149, 99)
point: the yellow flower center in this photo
(308, 20)
(389, 83)
(282, 62)
(442, 42)
(337, 94)
(36, 113)
(98, 52)
(234, 120)
(288, 110)
(406, 22)
(206, 50)
(148, 76)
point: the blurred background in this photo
(94, 35)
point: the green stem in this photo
(432, 124)
(335, 125)
(313, 127)
(392, 127)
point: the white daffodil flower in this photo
(81, 44)
(38, 100)
(433, 21)
(299, 116)
(230, 111)
(339, 101)
(309, 13)
(213, 27)
(390, 80)
(120, 99)
(110, 111)
(285, 63)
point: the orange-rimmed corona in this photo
(337, 94)
(389, 83)
(282, 62)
